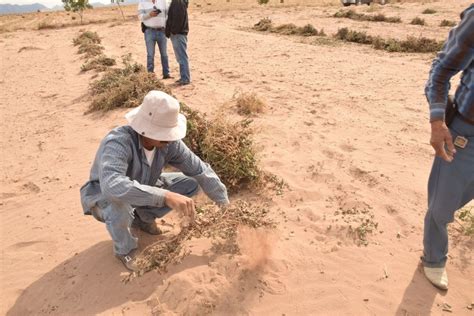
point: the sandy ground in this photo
(346, 127)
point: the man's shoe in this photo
(167, 77)
(129, 260)
(437, 276)
(150, 228)
(184, 83)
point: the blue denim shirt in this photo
(457, 55)
(121, 172)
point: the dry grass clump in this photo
(410, 45)
(227, 146)
(266, 25)
(99, 63)
(219, 224)
(351, 14)
(123, 87)
(89, 44)
(418, 21)
(466, 221)
(248, 103)
(45, 25)
(429, 11)
(447, 23)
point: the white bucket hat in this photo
(158, 117)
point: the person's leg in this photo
(150, 49)
(174, 182)
(180, 44)
(450, 187)
(117, 218)
(162, 45)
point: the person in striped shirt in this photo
(451, 182)
(127, 186)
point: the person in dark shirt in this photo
(177, 29)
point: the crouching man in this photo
(127, 187)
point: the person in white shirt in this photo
(153, 15)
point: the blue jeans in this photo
(450, 187)
(151, 37)
(180, 45)
(118, 216)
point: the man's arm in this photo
(144, 14)
(114, 183)
(456, 56)
(181, 157)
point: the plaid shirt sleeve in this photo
(456, 55)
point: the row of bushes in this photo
(351, 14)
(410, 45)
(90, 46)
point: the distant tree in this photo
(77, 6)
(118, 3)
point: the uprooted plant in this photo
(99, 63)
(248, 103)
(123, 87)
(227, 146)
(89, 44)
(351, 14)
(266, 25)
(220, 224)
(410, 45)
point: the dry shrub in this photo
(99, 63)
(248, 103)
(351, 14)
(429, 11)
(263, 25)
(262, 1)
(418, 21)
(465, 218)
(46, 25)
(410, 45)
(227, 146)
(266, 24)
(447, 23)
(89, 44)
(221, 224)
(86, 37)
(123, 87)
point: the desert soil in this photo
(345, 127)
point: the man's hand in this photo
(441, 136)
(181, 203)
(153, 13)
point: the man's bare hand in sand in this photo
(181, 203)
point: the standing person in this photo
(451, 182)
(177, 29)
(153, 15)
(127, 185)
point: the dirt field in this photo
(346, 127)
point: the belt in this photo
(156, 28)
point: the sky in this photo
(48, 3)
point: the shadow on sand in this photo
(419, 296)
(90, 283)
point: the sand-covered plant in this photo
(227, 146)
(220, 224)
(429, 11)
(410, 45)
(418, 21)
(89, 44)
(351, 14)
(466, 220)
(448, 23)
(266, 25)
(123, 87)
(248, 103)
(99, 63)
